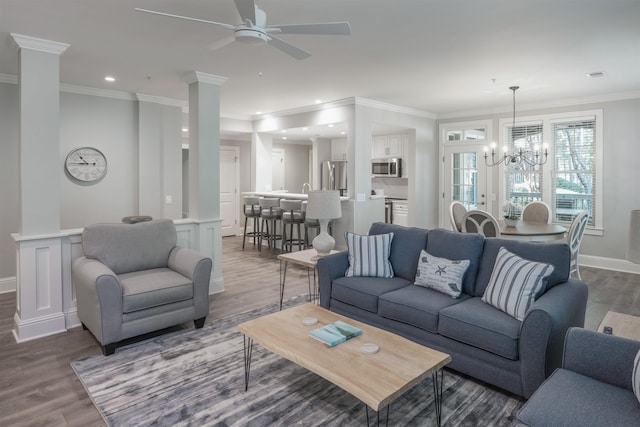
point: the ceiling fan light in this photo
(251, 36)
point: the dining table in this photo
(530, 230)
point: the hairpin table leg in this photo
(248, 347)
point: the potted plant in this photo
(511, 212)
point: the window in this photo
(571, 179)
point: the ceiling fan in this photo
(254, 28)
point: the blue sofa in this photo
(483, 341)
(593, 387)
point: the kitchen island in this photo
(374, 212)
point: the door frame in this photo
(447, 148)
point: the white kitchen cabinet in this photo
(400, 213)
(339, 149)
(387, 146)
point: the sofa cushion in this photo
(554, 253)
(441, 274)
(130, 247)
(150, 288)
(458, 246)
(478, 324)
(415, 305)
(515, 283)
(363, 292)
(635, 378)
(405, 247)
(567, 398)
(369, 255)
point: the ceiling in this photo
(443, 57)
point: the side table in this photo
(304, 259)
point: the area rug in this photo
(195, 377)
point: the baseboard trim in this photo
(7, 284)
(621, 265)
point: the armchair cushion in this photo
(150, 288)
(636, 376)
(130, 247)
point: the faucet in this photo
(306, 186)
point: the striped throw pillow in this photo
(515, 283)
(635, 379)
(369, 255)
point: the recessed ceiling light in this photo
(284, 131)
(258, 112)
(185, 130)
(330, 126)
(596, 74)
(342, 133)
(284, 137)
(110, 79)
(318, 101)
(305, 129)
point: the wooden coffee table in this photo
(399, 365)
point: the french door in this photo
(465, 179)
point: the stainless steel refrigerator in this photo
(333, 175)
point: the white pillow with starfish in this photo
(441, 274)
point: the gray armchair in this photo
(593, 387)
(133, 279)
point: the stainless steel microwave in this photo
(386, 168)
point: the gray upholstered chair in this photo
(456, 213)
(133, 279)
(574, 238)
(536, 212)
(592, 388)
(480, 222)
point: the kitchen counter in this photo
(284, 195)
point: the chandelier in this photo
(529, 157)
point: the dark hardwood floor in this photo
(39, 388)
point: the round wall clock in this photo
(86, 164)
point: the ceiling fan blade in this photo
(324, 28)
(287, 48)
(247, 10)
(227, 26)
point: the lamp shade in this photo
(324, 204)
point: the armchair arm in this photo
(330, 268)
(544, 328)
(197, 268)
(606, 358)
(98, 298)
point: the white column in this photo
(204, 168)
(39, 287)
(261, 147)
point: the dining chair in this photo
(574, 238)
(481, 222)
(456, 213)
(536, 212)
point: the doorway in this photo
(229, 183)
(277, 169)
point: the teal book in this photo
(334, 333)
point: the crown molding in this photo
(161, 100)
(569, 102)
(394, 108)
(197, 76)
(92, 91)
(42, 45)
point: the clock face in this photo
(86, 164)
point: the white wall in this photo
(109, 125)
(9, 149)
(296, 165)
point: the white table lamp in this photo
(324, 206)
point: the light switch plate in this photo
(168, 200)
(361, 197)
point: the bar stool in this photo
(271, 214)
(251, 209)
(291, 215)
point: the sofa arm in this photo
(330, 268)
(606, 358)
(544, 328)
(197, 268)
(98, 299)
